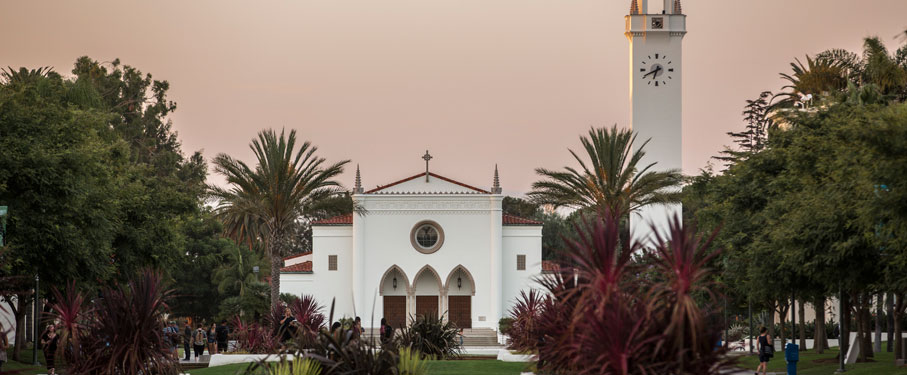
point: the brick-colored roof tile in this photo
(299, 267)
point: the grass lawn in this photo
(473, 367)
(825, 364)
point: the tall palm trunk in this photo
(274, 251)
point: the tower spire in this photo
(677, 8)
(358, 189)
(634, 7)
(496, 188)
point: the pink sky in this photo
(478, 82)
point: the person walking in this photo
(212, 339)
(357, 330)
(187, 338)
(49, 343)
(199, 340)
(223, 332)
(766, 350)
(386, 332)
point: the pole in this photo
(35, 325)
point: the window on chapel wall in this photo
(521, 262)
(332, 262)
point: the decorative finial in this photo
(358, 189)
(496, 188)
(634, 7)
(677, 8)
(426, 157)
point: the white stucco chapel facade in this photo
(423, 244)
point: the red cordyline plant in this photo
(73, 319)
(603, 317)
(308, 314)
(125, 334)
(526, 313)
(681, 260)
(253, 337)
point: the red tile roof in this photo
(297, 255)
(299, 267)
(549, 266)
(336, 220)
(348, 220)
(379, 188)
(516, 220)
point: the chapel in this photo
(424, 244)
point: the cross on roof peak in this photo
(426, 157)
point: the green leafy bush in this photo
(431, 336)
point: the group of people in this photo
(213, 338)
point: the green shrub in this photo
(505, 324)
(431, 336)
(412, 362)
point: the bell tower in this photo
(656, 77)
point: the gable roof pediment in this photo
(436, 184)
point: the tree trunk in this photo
(782, 315)
(820, 339)
(856, 307)
(877, 345)
(866, 310)
(802, 325)
(19, 314)
(898, 342)
(889, 306)
(771, 320)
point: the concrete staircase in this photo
(471, 336)
(480, 337)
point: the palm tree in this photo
(612, 181)
(261, 205)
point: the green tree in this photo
(195, 293)
(241, 289)
(263, 204)
(610, 177)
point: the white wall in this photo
(328, 285)
(464, 220)
(521, 240)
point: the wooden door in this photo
(395, 311)
(460, 310)
(427, 305)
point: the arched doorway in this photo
(395, 288)
(460, 288)
(427, 289)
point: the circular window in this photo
(427, 237)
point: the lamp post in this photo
(36, 320)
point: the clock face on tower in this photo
(657, 70)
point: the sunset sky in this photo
(477, 82)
